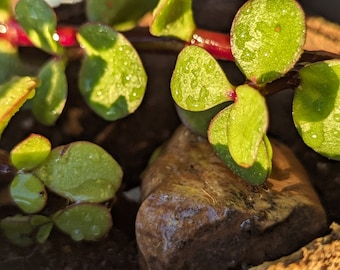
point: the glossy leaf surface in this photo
(217, 135)
(39, 22)
(173, 18)
(112, 76)
(121, 14)
(30, 152)
(198, 82)
(247, 125)
(50, 98)
(316, 107)
(81, 171)
(13, 95)
(84, 221)
(28, 192)
(267, 38)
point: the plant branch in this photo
(218, 44)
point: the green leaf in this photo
(198, 122)
(267, 38)
(39, 22)
(13, 95)
(198, 82)
(21, 230)
(50, 98)
(122, 14)
(81, 171)
(247, 124)
(112, 77)
(18, 230)
(31, 152)
(173, 18)
(28, 192)
(10, 61)
(217, 135)
(316, 107)
(84, 221)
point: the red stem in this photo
(217, 44)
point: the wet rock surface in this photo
(197, 215)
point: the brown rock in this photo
(322, 253)
(197, 214)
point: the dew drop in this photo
(314, 136)
(95, 229)
(77, 235)
(194, 84)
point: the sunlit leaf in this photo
(267, 38)
(39, 22)
(198, 82)
(13, 95)
(316, 107)
(30, 152)
(84, 221)
(28, 192)
(112, 76)
(173, 18)
(217, 135)
(247, 124)
(81, 171)
(51, 93)
(121, 14)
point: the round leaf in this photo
(13, 94)
(247, 124)
(217, 135)
(18, 230)
(112, 78)
(316, 107)
(39, 22)
(50, 98)
(81, 171)
(31, 152)
(84, 221)
(267, 38)
(173, 18)
(198, 82)
(28, 193)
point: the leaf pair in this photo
(199, 85)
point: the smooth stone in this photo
(196, 214)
